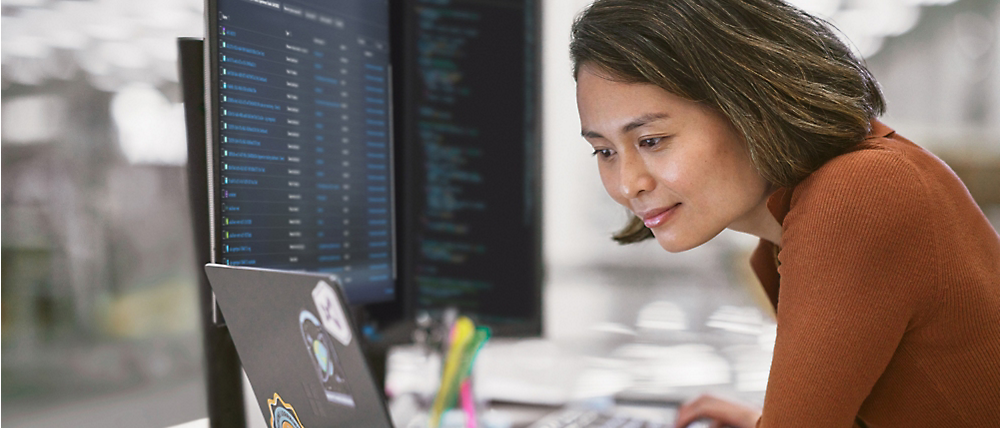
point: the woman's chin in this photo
(676, 244)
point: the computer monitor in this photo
(468, 96)
(301, 161)
(394, 143)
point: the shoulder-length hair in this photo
(795, 92)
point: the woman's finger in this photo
(721, 412)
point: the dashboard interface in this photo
(302, 148)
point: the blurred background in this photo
(99, 305)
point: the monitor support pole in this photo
(223, 376)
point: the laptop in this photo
(298, 347)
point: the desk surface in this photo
(497, 415)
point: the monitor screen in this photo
(301, 152)
(470, 183)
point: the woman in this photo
(751, 115)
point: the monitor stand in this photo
(223, 373)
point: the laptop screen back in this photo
(298, 347)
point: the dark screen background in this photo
(471, 177)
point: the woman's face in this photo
(678, 165)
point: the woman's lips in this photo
(654, 218)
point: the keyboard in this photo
(584, 418)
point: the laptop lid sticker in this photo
(331, 312)
(321, 351)
(282, 414)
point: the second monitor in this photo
(468, 76)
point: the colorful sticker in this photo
(331, 312)
(282, 414)
(320, 348)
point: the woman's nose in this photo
(635, 176)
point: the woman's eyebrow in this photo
(643, 120)
(635, 123)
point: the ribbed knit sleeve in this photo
(888, 296)
(854, 252)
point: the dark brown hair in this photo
(795, 92)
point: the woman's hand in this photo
(722, 413)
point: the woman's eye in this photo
(604, 153)
(649, 142)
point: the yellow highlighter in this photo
(462, 332)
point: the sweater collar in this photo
(879, 130)
(780, 202)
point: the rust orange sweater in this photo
(887, 292)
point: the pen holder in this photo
(464, 342)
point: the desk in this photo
(498, 415)
(643, 336)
